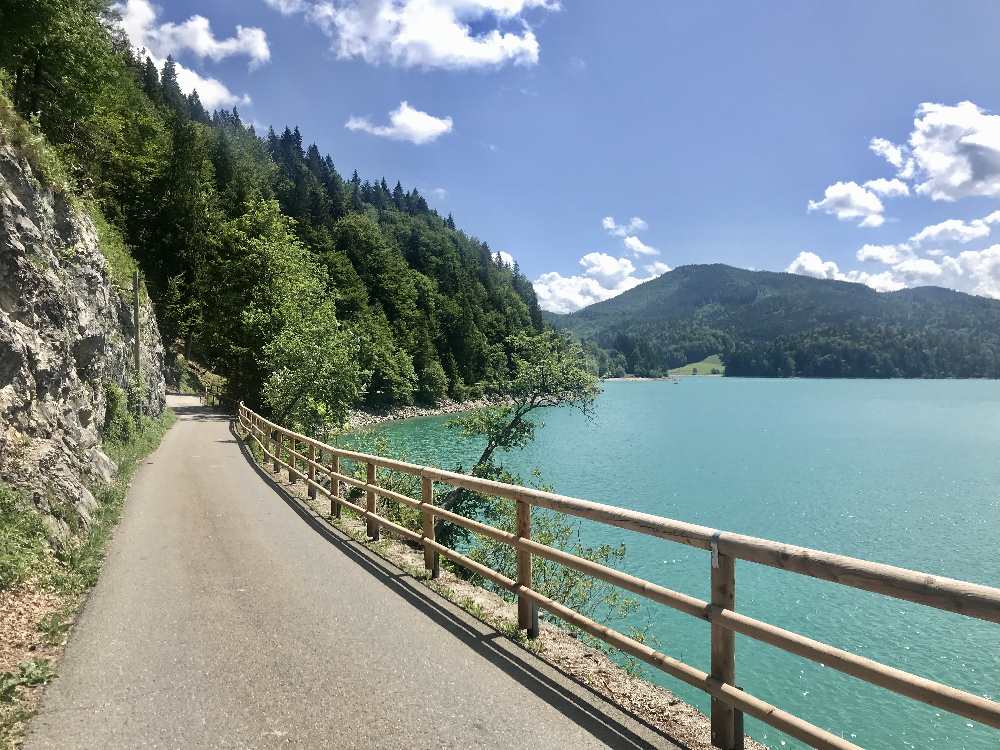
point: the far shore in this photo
(642, 379)
(359, 419)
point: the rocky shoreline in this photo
(359, 419)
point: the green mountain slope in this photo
(780, 324)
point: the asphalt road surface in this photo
(229, 617)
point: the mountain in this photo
(780, 324)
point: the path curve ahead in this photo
(224, 618)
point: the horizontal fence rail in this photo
(310, 460)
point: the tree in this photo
(172, 95)
(547, 370)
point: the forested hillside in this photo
(785, 325)
(308, 291)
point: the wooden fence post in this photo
(527, 610)
(276, 445)
(373, 529)
(334, 486)
(311, 471)
(723, 649)
(431, 558)
(292, 473)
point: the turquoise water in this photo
(903, 472)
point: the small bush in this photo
(22, 540)
(28, 138)
(119, 425)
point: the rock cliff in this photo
(66, 334)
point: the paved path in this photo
(227, 617)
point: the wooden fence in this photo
(313, 462)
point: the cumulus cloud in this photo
(507, 258)
(956, 150)
(194, 35)
(138, 20)
(889, 188)
(405, 124)
(604, 276)
(849, 201)
(627, 232)
(808, 263)
(426, 33)
(888, 254)
(888, 150)
(635, 224)
(953, 230)
(970, 271)
(639, 247)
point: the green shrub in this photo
(22, 540)
(119, 425)
(45, 161)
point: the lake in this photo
(902, 472)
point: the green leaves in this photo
(28, 674)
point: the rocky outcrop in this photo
(66, 333)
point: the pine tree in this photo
(450, 221)
(398, 197)
(173, 97)
(151, 81)
(197, 110)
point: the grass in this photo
(23, 541)
(708, 366)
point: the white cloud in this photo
(405, 124)
(639, 247)
(957, 230)
(212, 92)
(425, 33)
(287, 7)
(918, 268)
(138, 19)
(507, 258)
(978, 270)
(888, 150)
(848, 201)
(194, 35)
(956, 150)
(439, 192)
(603, 277)
(971, 271)
(888, 254)
(889, 188)
(635, 224)
(807, 263)
(627, 232)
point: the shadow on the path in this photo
(575, 700)
(199, 413)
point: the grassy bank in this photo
(709, 366)
(42, 589)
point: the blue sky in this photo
(716, 124)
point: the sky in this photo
(602, 143)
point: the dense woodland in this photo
(307, 290)
(784, 325)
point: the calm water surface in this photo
(903, 472)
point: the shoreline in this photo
(359, 419)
